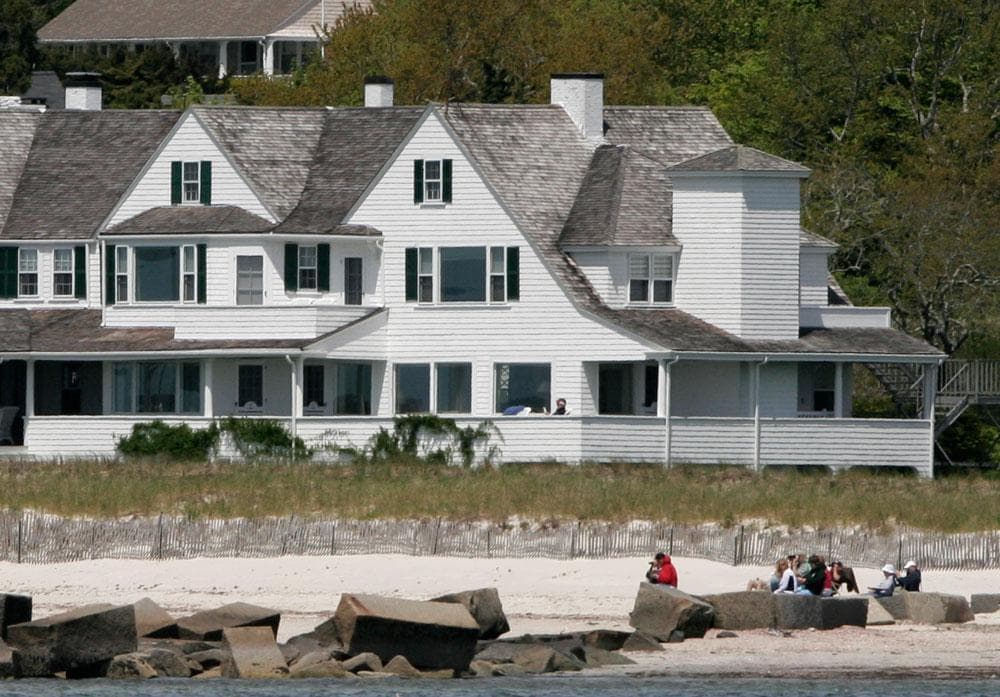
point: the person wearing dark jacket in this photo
(910, 581)
(815, 576)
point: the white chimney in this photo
(582, 96)
(378, 91)
(83, 91)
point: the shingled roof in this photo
(17, 131)
(354, 145)
(173, 220)
(137, 20)
(78, 166)
(739, 158)
(625, 199)
(667, 134)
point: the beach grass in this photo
(610, 492)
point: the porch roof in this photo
(80, 331)
(172, 220)
(851, 340)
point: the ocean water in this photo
(541, 686)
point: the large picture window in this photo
(463, 274)
(157, 274)
(523, 385)
(413, 388)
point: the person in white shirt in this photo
(788, 583)
(888, 584)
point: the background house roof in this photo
(77, 167)
(667, 134)
(45, 85)
(738, 158)
(114, 20)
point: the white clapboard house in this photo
(334, 267)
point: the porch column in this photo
(838, 390)
(268, 57)
(756, 414)
(29, 388)
(223, 59)
(929, 398)
(296, 371)
(208, 408)
(663, 404)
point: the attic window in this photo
(191, 182)
(651, 278)
(432, 181)
(192, 186)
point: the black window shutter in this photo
(418, 181)
(323, 266)
(446, 181)
(411, 274)
(8, 272)
(291, 267)
(206, 182)
(202, 252)
(513, 273)
(80, 272)
(109, 275)
(176, 188)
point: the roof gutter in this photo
(800, 357)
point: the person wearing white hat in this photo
(888, 584)
(910, 581)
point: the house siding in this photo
(542, 327)
(813, 273)
(188, 143)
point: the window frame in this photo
(651, 278)
(425, 276)
(309, 373)
(428, 276)
(131, 372)
(496, 383)
(56, 273)
(314, 268)
(349, 292)
(241, 403)
(186, 181)
(442, 252)
(437, 383)
(187, 275)
(123, 276)
(429, 367)
(23, 274)
(439, 180)
(236, 276)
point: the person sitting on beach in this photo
(888, 584)
(843, 576)
(668, 572)
(910, 581)
(788, 583)
(812, 580)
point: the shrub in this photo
(432, 439)
(181, 442)
(264, 438)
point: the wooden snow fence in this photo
(35, 538)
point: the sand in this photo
(539, 596)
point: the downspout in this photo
(756, 413)
(665, 399)
(295, 380)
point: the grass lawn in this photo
(622, 492)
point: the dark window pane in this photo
(413, 388)
(157, 272)
(638, 291)
(662, 291)
(156, 387)
(614, 389)
(652, 385)
(353, 289)
(354, 389)
(523, 384)
(454, 388)
(426, 289)
(497, 291)
(313, 390)
(463, 274)
(251, 386)
(191, 388)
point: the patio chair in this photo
(7, 416)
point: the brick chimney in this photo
(582, 96)
(83, 91)
(379, 91)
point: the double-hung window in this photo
(188, 272)
(432, 181)
(62, 272)
(121, 274)
(307, 267)
(651, 278)
(27, 272)
(191, 182)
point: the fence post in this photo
(829, 548)
(489, 540)
(20, 526)
(437, 532)
(899, 553)
(670, 549)
(159, 538)
(333, 537)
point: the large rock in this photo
(640, 641)
(843, 611)
(539, 658)
(878, 615)
(170, 664)
(14, 609)
(927, 608)
(153, 621)
(73, 641)
(985, 602)
(428, 634)
(485, 607)
(607, 639)
(130, 666)
(318, 664)
(208, 624)
(252, 653)
(799, 611)
(660, 610)
(743, 609)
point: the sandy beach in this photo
(540, 596)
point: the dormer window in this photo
(651, 278)
(27, 276)
(191, 182)
(432, 181)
